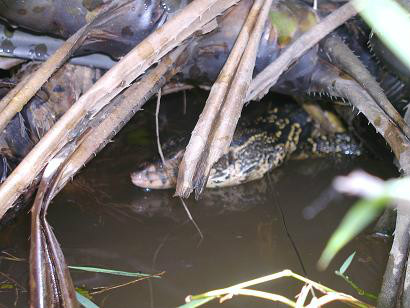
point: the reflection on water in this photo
(102, 220)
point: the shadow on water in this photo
(102, 220)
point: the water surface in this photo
(251, 230)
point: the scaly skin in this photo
(283, 132)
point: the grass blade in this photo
(197, 302)
(358, 217)
(85, 302)
(111, 272)
(347, 263)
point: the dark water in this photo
(101, 220)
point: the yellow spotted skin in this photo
(260, 144)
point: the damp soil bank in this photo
(251, 230)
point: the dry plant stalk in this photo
(51, 285)
(343, 57)
(260, 294)
(203, 150)
(388, 122)
(335, 296)
(234, 101)
(383, 124)
(190, 20)
(110, 288)
(302, 296)
(46, 277)
(214, 130)
(124, 107)
(270, 75)
(396, 266)
(161, 154)
(12, 93)
(200, 134)
(15, 100)
(329, 295)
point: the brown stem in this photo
(123, 108)
(397, 133)
(392, 280)
(345, 59)
(188, 21)
(400, 146)
(206, 121)
(228, 102)
(27, 87)
(50, 281)
(270, 75)
(234, 101)
(161, 154)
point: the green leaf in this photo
(197, 302)
(111, 272)
(358, 217)
(347, 263)
(84, 301)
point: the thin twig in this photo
(105, 289)
(161, 154)
(174, 87)
(17, 298)
(274, 194)
(191, 218)
(156, 253)
(11, 257)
